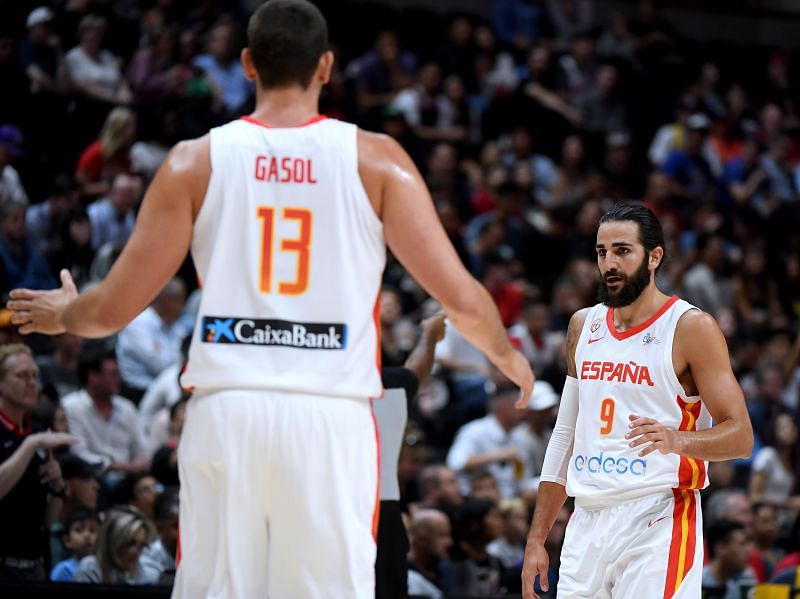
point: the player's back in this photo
(622, 373)
(290, 254)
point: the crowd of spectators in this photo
(526, 124)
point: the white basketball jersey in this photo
(290, 256)
(623, 373)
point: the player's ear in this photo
(247, 64)
(656, 255)
(324, 68)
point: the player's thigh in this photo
(322, 517)
(582, 573)
(664, 558)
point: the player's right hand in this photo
(42, 311)
(518, 369)
(536, 563)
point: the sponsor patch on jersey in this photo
(603, 465)
(273, 333)
(648, 338)
(595, 325)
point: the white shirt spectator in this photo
(509, 555)
(147, 346)
(156, 560)
(84, 71)
(117, 440)
(456, 352)
(778, 481)
(485, 436)
(163, 393)
(107, 225)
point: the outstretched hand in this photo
(42, 311)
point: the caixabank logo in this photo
(273, 333)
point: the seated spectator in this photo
(538, 421)
(602, 107)
(468, 369)
(139, 490)
(766, 529)
(93, 71)
(509, 548)
(766, 406)
(158, 560)
(80, 494)
(106, 424)
(792, 559)
(152, 342)
(31, 484)
(40, 52)
(439, 488)
(165, 459)
(430, 573)
(72, 249)
(691, 174)
(382, 72)
(483, 486)
(11, 148)
(80, 534)
(59, 370)
(109, 155)
(154, 75)
(521, 23)
(113, 218)
(508, 294)
(476, 571)
(536, 340)
(755, 293)
(121, 539)
(43, 220)
(495, 68)
(705, 284)
(224, 70)
(727, 572)
(772, 478)
(545, 172)
(161, 396)
(24, 266)
(492, 443)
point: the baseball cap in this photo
(11, 139)
(698, 122)
(74, 467)
(543, 397)
(38, 16)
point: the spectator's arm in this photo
(420, 361)
(14, 467)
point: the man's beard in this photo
(629, 291)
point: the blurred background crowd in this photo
(527, 122)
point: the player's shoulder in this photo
(378, 149)
(696, 322)
(578, 319)
(190, 154)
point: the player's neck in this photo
(286, 107)
(648, 303)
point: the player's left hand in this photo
(42, 311)
(647, 430)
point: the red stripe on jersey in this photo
(377, 510)
(620, 335)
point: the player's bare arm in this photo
(415, 235)
(700, 357)
(551, 495)
(153, 254)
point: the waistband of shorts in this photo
(274, 394)
(590, 504)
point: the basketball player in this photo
(287, 214)
(646, 375)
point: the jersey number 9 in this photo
(607, 415)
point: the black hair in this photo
(287, 39)
(92, 361)
(166, 504)
(79, 516)
(721, 532)
(651, 235)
